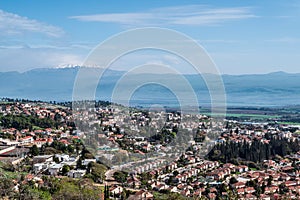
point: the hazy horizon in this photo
(118, 70)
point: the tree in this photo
(283, 189)
(120, 176)
(88, 156)
(50, 151)
(263, 188)
(252, 183)
(70, 148)
(27, 192)
(65, 169)
(97, 171)
(175, 173)
(34, 150)
(6, 187)
(258, 190)
(106, 192)
(255, 152)
(233, 180)
(270, 179)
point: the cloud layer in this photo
(13, 24)
(180, 15)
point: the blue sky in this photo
(242, 37)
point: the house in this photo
(210, 176)
(265, 197)
(241, 191)
(76, 173)
(180, 177)
(241, 169)
(62, 157)
(191, 160)
(239, 185)
(212, 196)
(173, 189)
(287, 169)
(173, 166)
(161, 186)
(64, 134)
(36, 180)
(285, 177)
(185, 192)
(72, 161)
(55, 169)
(26, 140)
(134, 183)
(229, 165)
(115, 190)
(290, 183)
(85, 162)
(197, 193)
(250, 197)
(249, 190)
(38, 167)
(271, 189)
(141, 195)
(65, 142)
(39, 142)
(49, 140)
(213, 190)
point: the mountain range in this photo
(56, 84)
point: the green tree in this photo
(97, 171)
(270, 179)
(6, 187)
(70, 149)
(233, 180)
(34, 150)
(106, 192)
(120, 176)
(65, 169)
(175, 173)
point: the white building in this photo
(87, 161)
(38, 167)
(62, 157)
(55, 169)
(76, 173)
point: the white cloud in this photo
(72, 46)
(180, 15)
(13, 24)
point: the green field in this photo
(289, 123)
(258, 116)
(252, 116)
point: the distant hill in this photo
(56, 84)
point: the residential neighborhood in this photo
(129, 161)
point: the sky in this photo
(241, 37)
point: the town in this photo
(143, 154)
